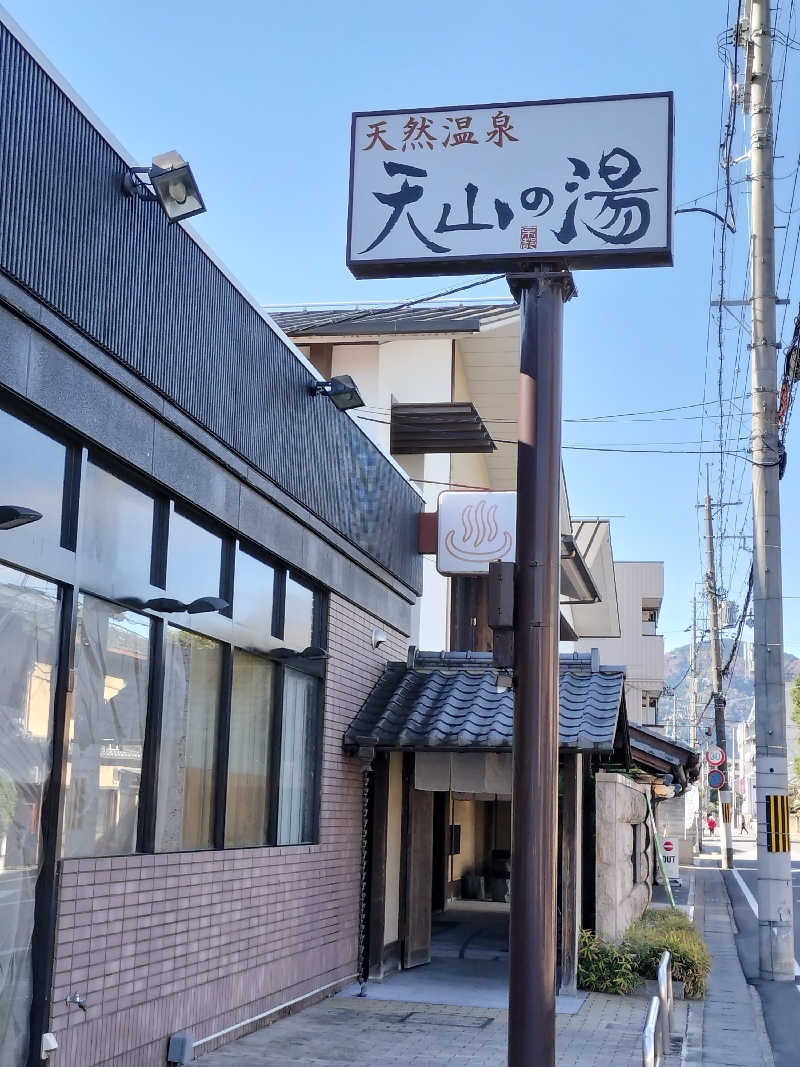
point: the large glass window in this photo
(299, 624)
(300, 739)
(116, 533)
(109, 710)
(194, 559)
(189, 724)
(249, 753)
(28, 642)
(35, 479)
(253, 595)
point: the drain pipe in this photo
(366, 754)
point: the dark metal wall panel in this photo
(147, 293)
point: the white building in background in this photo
(640, 591)
(440, 385)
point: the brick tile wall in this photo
(202, 940)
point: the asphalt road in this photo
(780, 1000)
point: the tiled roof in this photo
(457, 707)
(653, 749)
(438, 318)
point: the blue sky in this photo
(258, 97)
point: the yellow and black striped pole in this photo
(778, 823)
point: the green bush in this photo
(669, 928)
(604, 967)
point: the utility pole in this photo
(775, 904)
(726, 845)
(693, 721)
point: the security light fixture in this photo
(342, 390)
(12, 516)
(379, 637)
(171, 182)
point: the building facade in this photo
(222, 565)
(640, 591)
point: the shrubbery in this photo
(607, 967)
(669, 928)
(604, 967)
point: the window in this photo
(109, 709)
(116, 533)
(298, 774)
(194, 559)
(253, 599)
(649, 621)
(299, 624)
(189, 725)
(250, 750)
(34, 480)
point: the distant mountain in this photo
(740, 692)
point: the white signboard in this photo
(475, 529)
(669, 857)
(586, 183)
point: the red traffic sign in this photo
(716, 779)
(668, 846)
(715, 756)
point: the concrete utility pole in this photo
(726, 845)
(693, 720)
(775, 916)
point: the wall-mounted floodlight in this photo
(171, 183)
(342, 390)
(168, 606)
(12, 516)
(379, 637)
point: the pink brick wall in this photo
(202, 940)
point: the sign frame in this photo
(497, 536)
(425, 266)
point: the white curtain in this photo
(28, 626)
(297, 787)
(185, 808)
(249, 751)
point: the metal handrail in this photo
(652, 1046)
(666, 1000)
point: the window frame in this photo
(62, 565)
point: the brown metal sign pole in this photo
(531, 1026)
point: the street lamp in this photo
(171, 183)
(12, 516)
(342, 390)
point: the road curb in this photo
(761, 1027)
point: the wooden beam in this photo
(571, 872)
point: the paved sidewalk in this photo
(727, 1028)
(605, 1031)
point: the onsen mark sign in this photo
(459, 190)
(475, 529)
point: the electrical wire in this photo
(382, 312)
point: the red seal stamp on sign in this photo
(527, 238)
